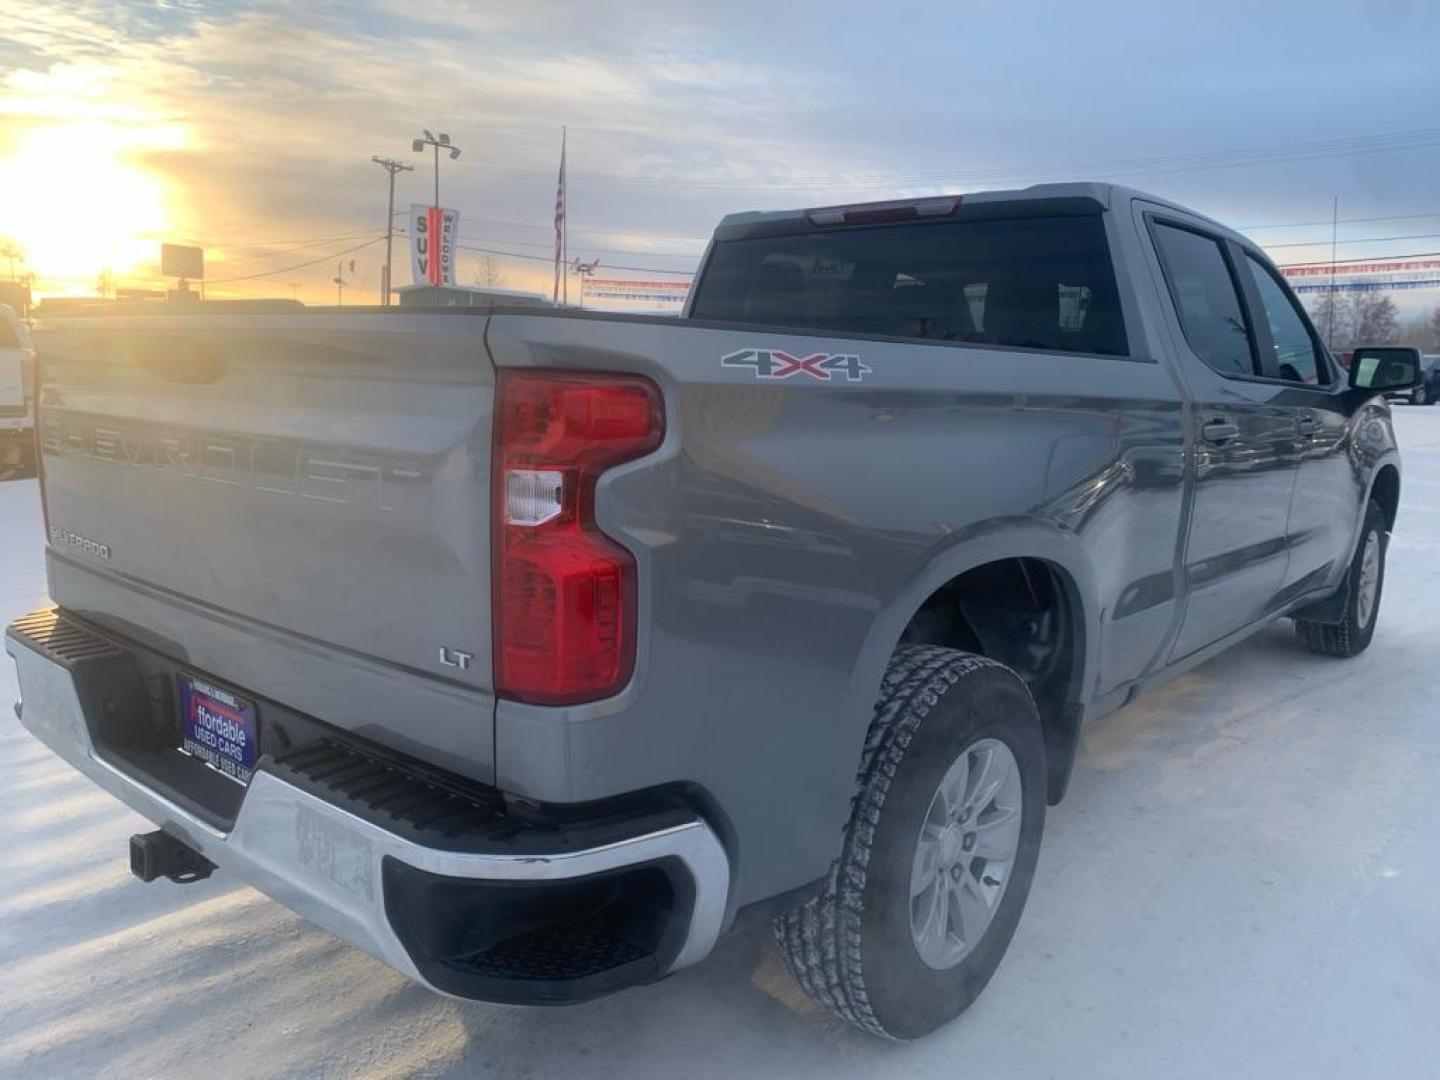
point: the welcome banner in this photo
(433, 234)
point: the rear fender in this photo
(984, 543)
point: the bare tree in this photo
(1377, 321)
(1333, 318)
(1421, 330)
(1351, 319)
(488, 273)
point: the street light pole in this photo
(391, 166)
(438, 142)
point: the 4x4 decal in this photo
(778, 364)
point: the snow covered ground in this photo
(1242, 882)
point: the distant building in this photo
(468, 296)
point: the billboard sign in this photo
(182, 261)
(434, 231)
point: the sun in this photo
(75, 204)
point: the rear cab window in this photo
(1034, 282)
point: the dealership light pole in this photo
(437, 141)
(391, 166)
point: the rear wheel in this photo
(939, 853)
(1419, 396)
(1363, 584)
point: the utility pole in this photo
(294, 289)
(339, 280)
(1334, 231)
(391, 166)
(437, 141)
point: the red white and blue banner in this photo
(1376, 275)
(665, 292)
(434, 231)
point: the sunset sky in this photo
(248, 128)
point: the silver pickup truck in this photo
(532, 652)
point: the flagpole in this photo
(564, 230)
(561, 246)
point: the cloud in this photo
(260, 118)
(263, 117)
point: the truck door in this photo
(1242, 440)
(1326, 507)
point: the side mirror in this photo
(1385, 368)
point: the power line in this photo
(588, 248)
(1358, 240)
(1342, 221)
(695, 255)
(548, 259)
(1376, 258)
(297, 266)
(279, 247)
(1258, 155)
(551, 259)
(550, 228)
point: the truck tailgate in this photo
(311, 479)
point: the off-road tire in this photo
(1348, 637)
(850, 947)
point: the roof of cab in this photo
(1107, 196)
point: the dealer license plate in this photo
(218, 728)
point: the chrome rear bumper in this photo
(322, 861)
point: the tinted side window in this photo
(1041, 283)
(1206, 299)
(1296, 357)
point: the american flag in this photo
(560, 222)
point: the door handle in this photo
(1308, 424)
(1220, 431)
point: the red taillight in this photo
(564, 592)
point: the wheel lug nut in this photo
(955, 872)
(969, 842)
